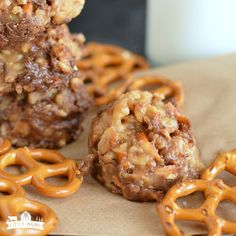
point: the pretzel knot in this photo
(37, 171)
(215, 191)
(171, 90)
(103, 65)
(16, 203)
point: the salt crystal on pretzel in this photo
(215, 191)
(224, 161)
(37, 172)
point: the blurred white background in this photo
(179, 30)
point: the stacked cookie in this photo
(42, 96)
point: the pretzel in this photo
(16, 203)
(104, 65)
(5, 146)
(215, 191)
(172, 90)
(224, 161)
(37, 172)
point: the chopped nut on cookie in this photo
(142, 146)
(22, 20)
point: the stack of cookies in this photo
(43, 99)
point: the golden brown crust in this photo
(142, 146)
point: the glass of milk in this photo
(179, 30)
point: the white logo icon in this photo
(25, 222)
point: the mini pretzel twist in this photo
(37, 172)
(215, 191)
(171, 90)
(16, 203)
(104, 65)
